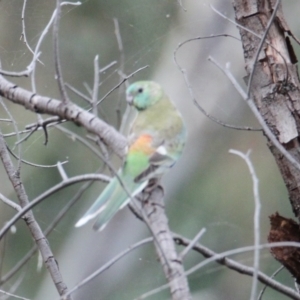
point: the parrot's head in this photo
(143, 94)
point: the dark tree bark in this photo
(275, 87)
(275, 90)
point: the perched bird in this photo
(156, 140)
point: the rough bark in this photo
(282, 230)
(69, 111)
(153, 206)
(275, 87)
(36, 231)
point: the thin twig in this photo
(30, 221)
(262, 41)
(121, 68)
(31, 67)
(10, 203)
(121, 82)
(189, 86)
(23, 34)
(265, 287)
(194, 241)
(12, 295)
(257, 114)
(47, 231)
(87, 87)
(108, 265)
(220, 257)
(33, 164)
(17, 133)
(48, 193)
(74, 135)
(257, 205)
(95, 86)
(57, 64)
(238, 267)
(105, 68)
(62, 172)
(34, 102)
(41, 38)
(78, 93)
(181, 5)
(25, 72)
(254, 34)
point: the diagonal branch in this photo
(69, 111)
(30, 221)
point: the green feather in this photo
(158, 119)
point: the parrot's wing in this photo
(159, 163)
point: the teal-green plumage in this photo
(156, 140)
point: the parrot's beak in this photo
(129, 99)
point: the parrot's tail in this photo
(118, 200)
(99, 204)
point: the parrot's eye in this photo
(140, 90)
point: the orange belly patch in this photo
(143, 144)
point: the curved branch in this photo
(49, 192)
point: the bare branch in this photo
(80, 139)
(78, 93)
(120, 83)
(189, 86)
(120, 71)
(257, 114)
(62, 172)
(57, 63)
(96, 86)
(48, 193)
(23, 34)
(35, 229)
(257, 205)
(153, 208)
(263, 39)
(10, 203)
(265, 287)
(33, 164)
(12, 295)
(15, 126)
(222, 259)
(107, 265)
(71, 112)
(240, 268)
(47, 231)
(192, 243)
(181, 5)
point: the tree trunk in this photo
(275, 87)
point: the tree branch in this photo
(69, 111)
(30, 221)
(153, 207)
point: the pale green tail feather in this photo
(110, 209)
(99, 204)
(117, 201)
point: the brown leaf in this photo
(285, 230)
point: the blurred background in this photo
(208, 188)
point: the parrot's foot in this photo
(152, 184)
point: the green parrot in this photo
(156, 140)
